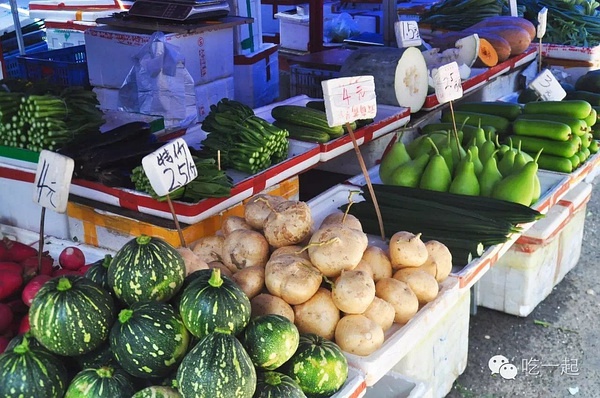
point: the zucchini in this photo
(307, 117)
(578, 126)
(501, 124)
(505, 109)
(554, 163)
(542, 128)
(592, 98)
(579, 109)
(303, 133)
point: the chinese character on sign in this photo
(170, 167)
(530, 366)
(547, 87)
(569, 367)
(348, 99)
(52, 181)
(407, 34)
(448, 85)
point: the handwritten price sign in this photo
(407, 34)
(170, 167)
(448, 85)
(348, 99)
(542, 23)
(547, 87)
(52, 181)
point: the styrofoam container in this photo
(562, 51)
(208, 54)
(571, 237)
(524, 276)
(257, 76)
(354, 387)
(293, 30)
(66, 34)
(396, 385)
(247, 38)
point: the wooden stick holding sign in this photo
(51, 188)
(348, 99)
(448, 87)
(168, 168)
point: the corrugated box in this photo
(208, 55)
(257, 76)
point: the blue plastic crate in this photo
(11, 63)
(64, 67)
(308, 81)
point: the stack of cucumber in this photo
(305, 123)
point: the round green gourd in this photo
(274, 384)
(32, 372)
(270, 340)
(157, 392)
(98, 272)
(149, 339)
(217, 367)
(318, 366)
(213, 301)
(103, 382)
(98, 357)
(71, 315)
(32, 343)
(146, 269)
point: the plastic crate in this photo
(11, 63)
(308, 81)
(64, 67)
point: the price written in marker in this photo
(448, 85)
(349, 98)
(407, 34)
(52, 181)
(547, 87)
(170, 167)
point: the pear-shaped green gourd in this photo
(518, 187)
(465, 180)
(489, 177)
(475, 159)
(505, 165)
(537, 189)
(395, 157)
(446, 152)
(436, 176)
(458, 152)
(502, 149)
(418, 146)
(520, 160)
(486, 149)
(409, 174)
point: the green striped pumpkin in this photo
(71, 315)
(272, 384)
(31, 373)
(270, 340)
(103, 382)
(149, 339)
(98, 357)
(318, 366)
(32, 343)
(213, 301)
(157, 392)
(98, 272)
(146, 269)
(217, 367)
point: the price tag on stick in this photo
(540, 32)
(407, 34)
(448, 85)
(51, 187)
(547, 87)
(348, 99)
(168, 168)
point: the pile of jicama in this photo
(325, 278)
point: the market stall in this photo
(454, 196)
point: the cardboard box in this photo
(208, 55)
(256, 76)
(247, 38)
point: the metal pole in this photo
(390, 16)
(17, 21)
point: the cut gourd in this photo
(487, 56)
(468, 49)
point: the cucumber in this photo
(505, 109)
(554, 163)
(578, 126)
(574, 108)
(565, 149)
(307, 117)
(501, 124)
(592, 98)
(303, 133)
(542, 128)
(592, 118)
(316, 104)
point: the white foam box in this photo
(293, 30)
(370, 21)
(208, 54)
(247, 38)
(524, 276)
(570, 70)
(66, 34)
(270, 24)
(396, 385)
(256, 76)
(571, 237)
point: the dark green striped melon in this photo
(71, 315)
(103, 382)
(272, 384)
(32, 343)
(98, 357)
(213, 301)
(217, 367)
(149, 339)
(270, 340)
(31, 373)
(157, 392)
(98, 272)
(318, 366)
(146, 269)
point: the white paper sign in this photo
(448, 85)
(547, 87)
(542, 21)
(348, 99)
(170, 167)
(52, 180)
(512, 5)
(407, 34)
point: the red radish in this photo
(10, 283)
(30, 266)
(3, 343)
(3, 251)
(17, 306)
(63, 271)
(24, 325)
(18, 251)
(11, 266)
(6, 317)
(71, 258)
(32, 287)
(84, 269)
